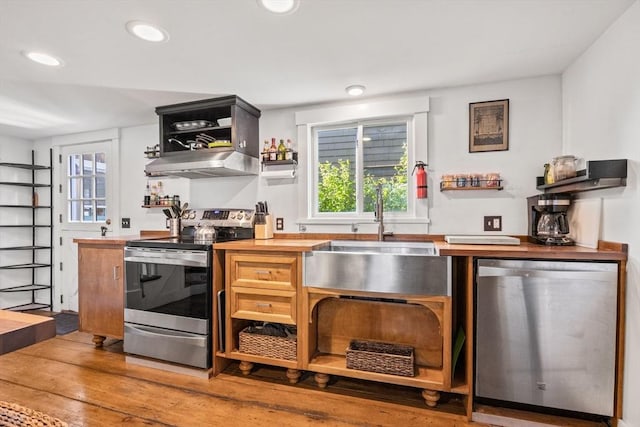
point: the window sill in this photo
(358, 221)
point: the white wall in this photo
(535, 137)
(133, 143)
(601, 107)
(535, 114)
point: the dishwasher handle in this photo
(592, 275)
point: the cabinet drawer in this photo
(263, 271)
(253, 304)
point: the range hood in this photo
(200, 164)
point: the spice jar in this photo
(461, 180)
(492, 179)
(448, 181)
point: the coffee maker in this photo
(548, 223)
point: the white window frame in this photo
(359, 214)
(416, 108)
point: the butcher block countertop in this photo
(280, 245)
(606, 251)
(121, 240)
(106, 240)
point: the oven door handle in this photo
(189, 259)
(176, 337)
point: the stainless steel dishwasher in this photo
(546, 333)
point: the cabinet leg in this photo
(246, 367)
(98, 340)
(293, 375)
(321, 380)
(431, 397)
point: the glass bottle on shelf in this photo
(147, 195)
(265, 151)
(154, 195)
(282, 150)
(160, 192)
(273, 150)
(288, 155)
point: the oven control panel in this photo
(218, 217)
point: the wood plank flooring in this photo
(66, 377)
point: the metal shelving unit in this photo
(38, 260)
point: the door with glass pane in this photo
(87, 190)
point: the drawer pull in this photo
(263, 272)
(263, 305)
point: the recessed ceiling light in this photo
(43, 58)
(281, 7)
(355, 90)
(147, 32)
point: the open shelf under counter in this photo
(254, 358)
(336, 364)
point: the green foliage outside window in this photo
(337, 188)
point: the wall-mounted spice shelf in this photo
(466, 185)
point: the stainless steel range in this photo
(168, 287)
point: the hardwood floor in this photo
(66, 377)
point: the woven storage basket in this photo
(384, 358)
(268, 346)
(12, 414)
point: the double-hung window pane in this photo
(337, 170)
(354, 159)
(86, 195)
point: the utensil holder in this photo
(174, 227)
(264, 231)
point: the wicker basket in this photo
(12, 414)
(384, 358)
(268, 346)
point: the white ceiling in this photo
(111, 79)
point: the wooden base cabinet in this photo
(423, 323)
(101, 290)
(261, 287)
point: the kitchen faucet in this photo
(379, 212)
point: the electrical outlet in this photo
(126, 223)
(493, 223)
(279, 224)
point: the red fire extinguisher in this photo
(421, 179)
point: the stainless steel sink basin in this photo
(362, 246)
(411, 268)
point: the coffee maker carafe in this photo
(548, 223)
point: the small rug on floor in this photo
(12, 414)
(66, 323)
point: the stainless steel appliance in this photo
(168, 288)
(546, 333)
(548, 223)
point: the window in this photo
(381, 140)
(352, 159)
(86, 179)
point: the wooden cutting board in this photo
(584, 221)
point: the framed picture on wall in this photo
(489, 126)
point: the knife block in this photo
(264, 231)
